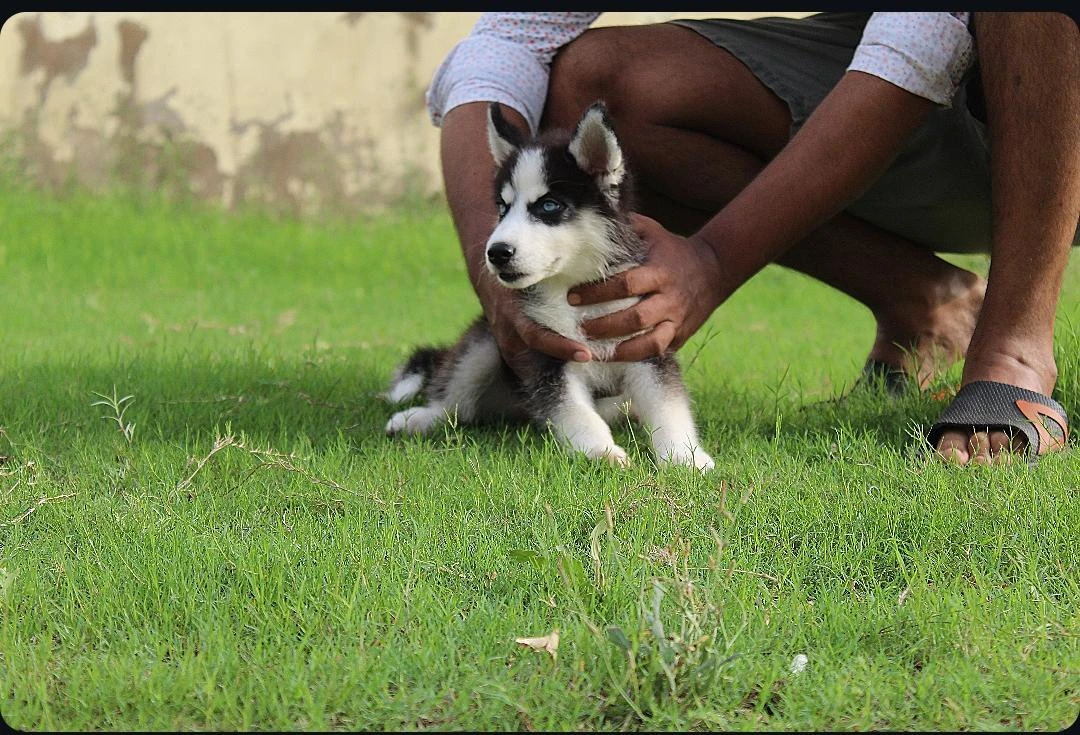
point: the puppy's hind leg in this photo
(457, 387)
(417, 419)
(415, 374)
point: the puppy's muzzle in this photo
(500, 256)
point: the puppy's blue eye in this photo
(550, 206)
(502, 207)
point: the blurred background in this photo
(302, 113)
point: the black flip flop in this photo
(985, 405)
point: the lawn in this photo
(204, 527)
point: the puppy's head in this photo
(557, 198)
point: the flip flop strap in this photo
(1037, 414)
(988, 404)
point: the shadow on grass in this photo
(176, 400)
(179, 400)
(52, 407)
(187, 399)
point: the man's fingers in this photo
(645, 314)
(520, 337)
(634, 282)
(551, 343)
(650, 344)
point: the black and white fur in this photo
(563, 202)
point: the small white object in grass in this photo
(798, 664)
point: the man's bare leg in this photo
(1030, 67)
(694, 147)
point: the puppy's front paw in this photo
(696, 457)
(613, 455)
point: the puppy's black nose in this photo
(500, 254)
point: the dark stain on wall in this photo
(302, 171)
(92, 160)
(64, 58)
(152, 146)
(415, 25)
(35, 159)
(132, 37)
(152, 149)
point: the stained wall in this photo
(301, 112)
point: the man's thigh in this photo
(668, 76)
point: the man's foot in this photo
(1017, 420)
(1029, 370)
(927, 333)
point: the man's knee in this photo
(594, 66)
(665, 75)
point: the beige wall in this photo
(300, 111)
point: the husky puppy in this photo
(563, 209)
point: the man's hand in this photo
(680, 287)
(517, 334)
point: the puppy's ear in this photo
(596, 149)
(503, 138)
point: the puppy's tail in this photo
(414, 374)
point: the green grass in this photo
(237, 545)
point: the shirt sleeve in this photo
(507, 59)
(927, 54)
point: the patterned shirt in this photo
(507, 58)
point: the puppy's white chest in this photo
(550, 309)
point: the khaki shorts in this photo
(937, 191)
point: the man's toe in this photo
(953, 447)
(1004, 449)
(980, 447)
